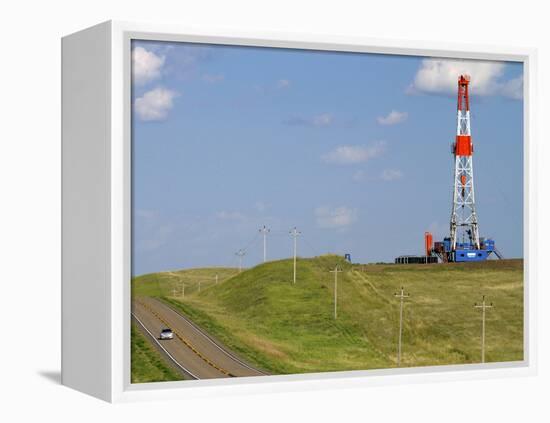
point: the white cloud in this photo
(324, 119)
(439, 76)
(146, 65)
(154, 105)
(338, 217)
(513, 88)
(393, 118)
(352, 154)
(212, 79)
(391, 175)
(283, 83)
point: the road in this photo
(196, 353)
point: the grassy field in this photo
(171, 283)
(285, 328)
(147, 364)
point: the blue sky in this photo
(352, 149)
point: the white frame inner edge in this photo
(122, 34)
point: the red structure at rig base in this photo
(428, 243)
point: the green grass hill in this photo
(147, 364)
(290, 328)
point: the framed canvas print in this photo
(253, 212)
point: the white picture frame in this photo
(96, 182)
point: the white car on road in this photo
(166, 334)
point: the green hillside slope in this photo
(286, 328)
(147, 363)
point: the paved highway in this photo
(192, 350)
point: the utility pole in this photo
(240, 254)
(483, 306)
(265, 231)
(401, 297)
(335, 271)
(294, 234)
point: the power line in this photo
(251, 242)
(335, 271)
(247, 246)
(401, 297)
(483, 306)
(315, 252)
(240, 254)
(278, 232)
(295, 234)
(264, 231)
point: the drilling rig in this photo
(464, 242)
